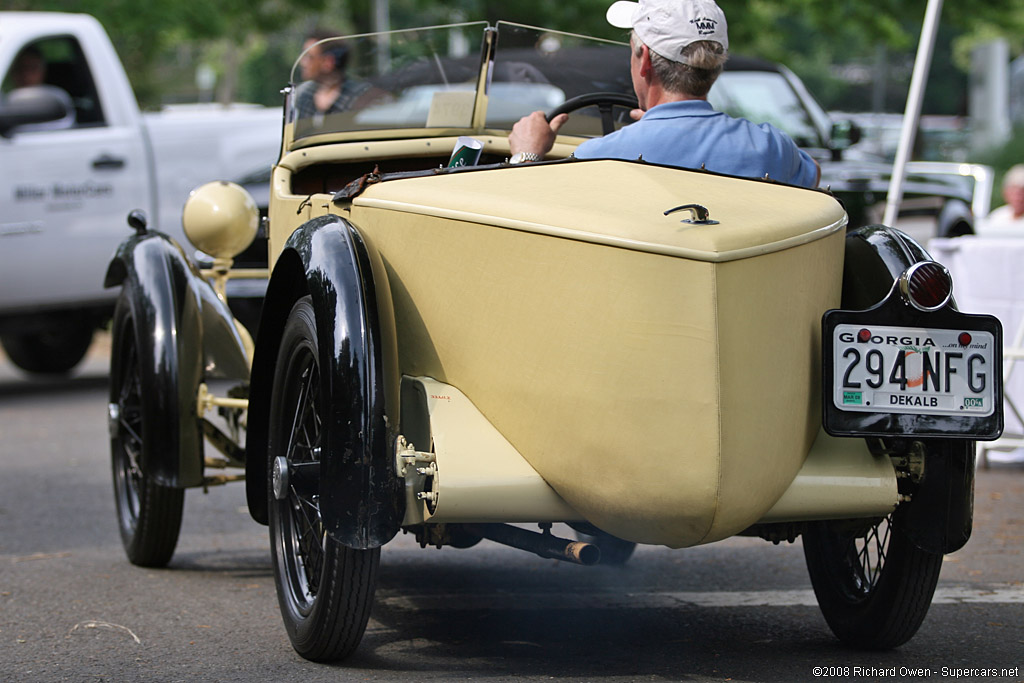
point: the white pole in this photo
(381, 24)
(913, 112)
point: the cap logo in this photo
(704, 26)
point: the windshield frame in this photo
(483, 81)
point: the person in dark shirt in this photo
(326, 89)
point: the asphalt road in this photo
(72, 608)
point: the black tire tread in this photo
(337, 618)
(336, 639)
(150, 539)
(158, 526)
(911, 599)
(896, 607)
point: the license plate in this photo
(912, 370)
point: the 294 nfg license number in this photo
(913, 370)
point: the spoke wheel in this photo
(148, 514)
(873, 585)
(325, 590)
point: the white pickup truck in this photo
(77, 156)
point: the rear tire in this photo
(324, 589)
(873, 585)
(148, 514)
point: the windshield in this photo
(765, 97)
(430, 78)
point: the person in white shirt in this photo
(1007, 220)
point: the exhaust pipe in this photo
(543, 544)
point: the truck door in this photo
(66, 186)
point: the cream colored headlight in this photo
(220, 219)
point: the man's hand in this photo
(534, 134)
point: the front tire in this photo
(873, 585)
(148, 514)
(324, 589)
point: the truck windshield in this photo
(766, 97)
(461, 77)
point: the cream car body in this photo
(635, 350)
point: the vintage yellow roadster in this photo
(467, 350)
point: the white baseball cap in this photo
(668, 26)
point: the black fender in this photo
(940, 515)
(361, 496)
(876, 255)
(184, 333)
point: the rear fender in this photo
(876, 256)
(184, 333)
(361, 496)
(940, 515)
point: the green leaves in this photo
(153, 37)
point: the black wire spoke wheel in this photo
(874, 586)
(325, 590)
(148, 514)
(870, 557)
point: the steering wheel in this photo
(604, 101)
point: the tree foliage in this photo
(247, 36)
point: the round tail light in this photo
(927, 286)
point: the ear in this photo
(646, 70)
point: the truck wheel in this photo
(53, 352)
(873, 586)
(148, 514)
(325, 590)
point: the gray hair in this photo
(702, 65)
(1014, 177)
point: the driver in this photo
(678, 50)
(326, 89)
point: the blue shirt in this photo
(690, 134)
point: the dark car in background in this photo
(935, 203)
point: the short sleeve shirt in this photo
(691, 134)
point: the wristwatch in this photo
(520, 157)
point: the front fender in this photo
(940, 516)
(184, 333)
(361, 496)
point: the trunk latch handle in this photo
(698, 214)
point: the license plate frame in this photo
(909, 417)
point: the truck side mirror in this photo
(844, 134)
(36, 104)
